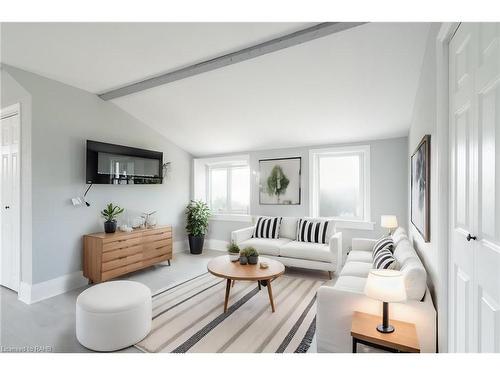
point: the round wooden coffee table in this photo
(231, 271)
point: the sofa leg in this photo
(330, 275)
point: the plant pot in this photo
(196, 244)
(243, 260)
(253, 259)
(234, 257)
(110, 226)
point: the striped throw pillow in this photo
(312, 231)
(267, 227)
(382, 254)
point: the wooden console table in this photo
(109, 255)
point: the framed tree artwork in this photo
(420, 187)
(280, 181)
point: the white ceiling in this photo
(356, 85)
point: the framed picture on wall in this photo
(420, 187)
(280, 181)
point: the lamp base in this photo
(385, 329)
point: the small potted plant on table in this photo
(252, 255)
(243, 256)
(198, 214)
(110, 213)
(234, 252)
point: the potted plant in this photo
(234, 252)
(198, 214)
(110, 213)
(252, 255)
(243, 257)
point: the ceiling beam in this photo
(286, 41)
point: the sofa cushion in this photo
(382, 244)
(309, 230)
(359, 269)
(265, 246)
(360, 256)
(307, 250)
(351, 284)
(412, 269)
(288, 227)
(267, 227)
(384, 260)
(399, 235)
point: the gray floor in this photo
(50, 324)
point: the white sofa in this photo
(292, 253)
(337, 303)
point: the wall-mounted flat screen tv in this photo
(122, 165)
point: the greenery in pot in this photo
(252, 255)
(110, 213)
(234, 252)
(197, 213)
(243, 256)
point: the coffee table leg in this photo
(270, 291)
(258, 283)
(228, 288)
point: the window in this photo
(340, 183)
(229, 189)
(224, 183)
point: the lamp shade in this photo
(388, 221)
(386, 286)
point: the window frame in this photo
(315, 156)
(229, 170)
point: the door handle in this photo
(469, 237)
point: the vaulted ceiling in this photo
(355, 85)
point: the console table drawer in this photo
(153, 253)
(121, 262)
(122, 243)
(157, 237)
(120, 253)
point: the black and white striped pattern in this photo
(312, 231)
(382, 254)
(267, 227)
(189, 317)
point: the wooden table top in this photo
(223, 267)
(404, 337)
(119, 233)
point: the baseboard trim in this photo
(180, 246)
(213, 244)
(31, 293)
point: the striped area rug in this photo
(189, 317)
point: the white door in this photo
(10, 197)
(474, 283)
(487, 199)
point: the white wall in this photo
(389, 171)
(426, 115)
(63, 118)
(424, 122)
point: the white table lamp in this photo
(386, 286)
(389, 221)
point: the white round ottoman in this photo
(113, 315)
